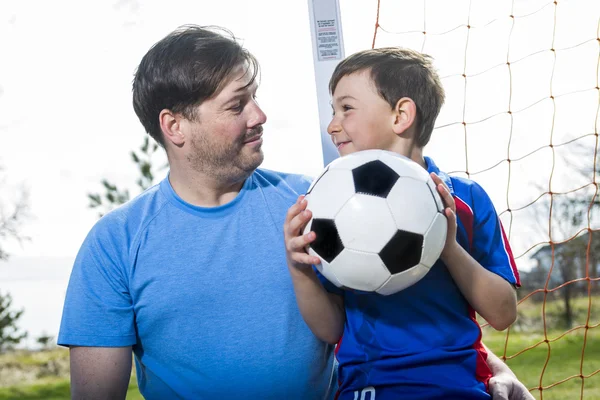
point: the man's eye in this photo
(346, 108)
(237, 107)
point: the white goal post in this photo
(328, 51)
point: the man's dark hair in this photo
(188, 66)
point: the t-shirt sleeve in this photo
(490, 243)
(98, 309)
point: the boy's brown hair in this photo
(398, 72)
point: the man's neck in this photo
(203, 190)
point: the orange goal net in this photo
(521, 118)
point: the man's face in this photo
(226, 135)
(362, 119)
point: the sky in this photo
(66, 119)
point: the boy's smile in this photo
(339, 145)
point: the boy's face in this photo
(362, 119)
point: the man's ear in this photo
(405, 115)
(170, 124)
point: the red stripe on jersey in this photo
(483, 373)
(335, 352)
(465, 214)
(337, 346)
(482, 370)
(337, 393)
(509, 254)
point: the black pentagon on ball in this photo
(402, 252)
(328, 243)
(374, 178)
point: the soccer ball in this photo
(378, 220)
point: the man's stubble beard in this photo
(225, 163)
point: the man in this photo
(191, 275)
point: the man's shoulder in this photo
(131, 216)
(282, 182)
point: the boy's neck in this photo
(408, 148)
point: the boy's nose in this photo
(333, 127)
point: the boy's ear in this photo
(405, 115)
(171, 124)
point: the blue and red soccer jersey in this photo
(424, 342)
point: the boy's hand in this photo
(295, 242)
(449, 212)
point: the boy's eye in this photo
(346, 108)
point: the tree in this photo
(11, 218)
(10, 335)
(45, 341)
(576, 247)
(114, 196)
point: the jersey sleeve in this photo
(98, 309)
(490, 243)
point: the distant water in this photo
(38, 285)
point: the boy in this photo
(423, 342)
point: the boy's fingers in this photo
(299, 243)
(450, 215)
(298, 223)
(446, 196)
(438, 181)
(295, 209)
(307, 259)
(298, 252)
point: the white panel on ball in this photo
(435, 238)
(325, 269)
(334, 189)
(359, 270)
(314, 182)
(404, 166)
(354, 160)
(365, 223)
(401, 281)
(406, 193)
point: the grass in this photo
(29, 375)
(538, 363)
(58, 390)
(557, 365)
(560, 362)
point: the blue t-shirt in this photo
(202, 294)
(424, 342)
